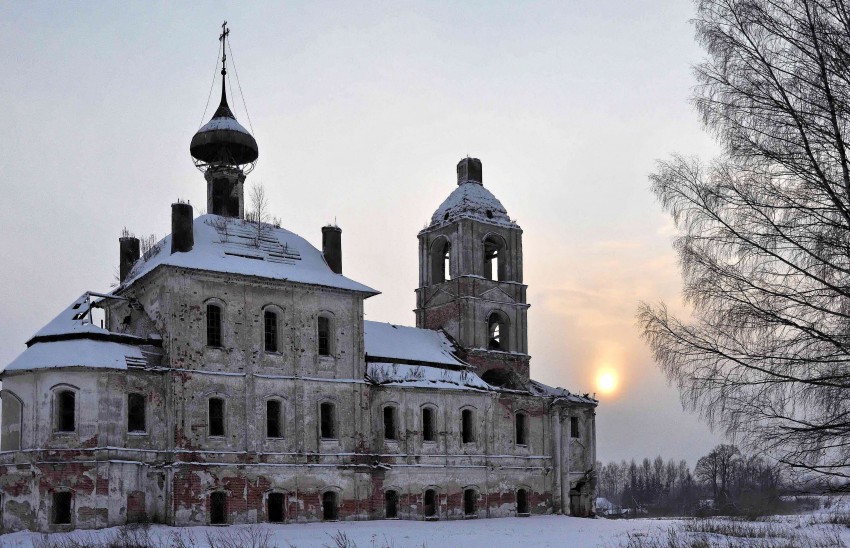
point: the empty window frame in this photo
(274, 419)
(441, 254)
(497, 333)
(65, 411)
(327, 420)
(136, 413)
(390, 427)
(12, 418)
(470, 503)
(522, 502)
(329, 506)
(218, 508)
(214, 325)
(521, 425)
(494, 258)
(429, 503)
(467, 426)
(215, 417)
(324, 327)
(391, 504)
(429, 430)
(276, 507)
(574, 427)
(61, 511)
(270, 331)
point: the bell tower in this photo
(470, 279)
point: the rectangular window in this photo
(218, 508)
(520, 429)
(328, 425)
(62, 508)
(213, 325)
(428, 430)
(276, 508)
(470, 502)
(389, 423)
(574, 427)
(270, 331)
(324, 336)
(430, 503)
(136, 413)
(216, 417)
(273, 419)
(467, 432)
(66, 402)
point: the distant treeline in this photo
(723, 482)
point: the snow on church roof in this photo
(76, 353)
(407, 344)
(224, 244)
(470, 200)
(423, 376)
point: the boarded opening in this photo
(328, 422)
(62, 508)
(136, 413)
(470, 502)
(522, 502)
(391, 504)
(430, 503)
(218, 508)
(216, 417)
(213, 325)
(136, 507)
(329, 506)
(389, 423)
(276, 508)
(467, 428)
(273, 419)
(428, 430)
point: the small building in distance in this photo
(233, 379)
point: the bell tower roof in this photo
(471, 200)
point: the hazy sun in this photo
(606, 382)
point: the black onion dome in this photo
(223, 140)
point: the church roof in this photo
(226, 244)
(387, 342)
(470, 200)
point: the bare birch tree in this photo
(259, 212)
(764, 233)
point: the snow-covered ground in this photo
(809, 530)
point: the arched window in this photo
(65, 417)
(467, 426)
(270, 331)
(497, 331)
(136, 413)
(520, 428)
(391, 504)
(215, 417)
(441, 252)
(274, 419)
(325, 332)
(390, 427)
(495, 265)
(218, 508)
(329, 506)
(214, 325)
(429, 427)
(276, 507)
(522, 502)
(429, 502)
(13, 419)
(327, 412)
(470, 503)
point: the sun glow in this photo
(606, 382)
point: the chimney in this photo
(469, 170)
(332, 247)
(128, 254)
(182, 235)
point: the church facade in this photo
(235, 380)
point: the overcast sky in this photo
(361, 111)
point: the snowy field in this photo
(804, 531)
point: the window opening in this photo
(391, 504)
(270, 331)
(428, 433)
(216, 417)
(324, 336)
(218, 508)
(213, 325)
(62, 508)
(329, 506)
(136, 413)
(467, 427)
(494, 258)
(441, 254)
(522, 502)
(470, 502)
(497, 333)
(276, 508)
(574, 427)
(520, 429)
(66, 411)
(430, 503)
(327, 421)
(389, 423)
(274, 420)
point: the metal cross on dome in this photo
(225, 32)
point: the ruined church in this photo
(233, 379)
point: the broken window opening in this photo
(276, 508)
(136, 413)
(497, 338)
(274, 419)
(494, 258)
(467, 427)
(329, 506)
(441, 255)
(213, 325)
(218, 508)
(270, 331)
(522, 502)
(390, 430)
(428, 429)
(574, 427)
(216, 417)
(470, 503)
(391, 504)
(62, 507)
(430, 503)
(520, 429)
(328, 421)
(324, 326)
(66, 411)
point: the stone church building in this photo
(233, 379)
